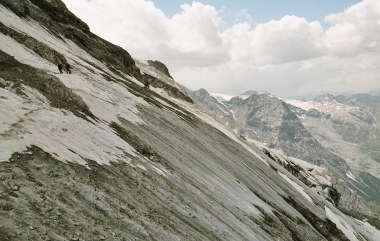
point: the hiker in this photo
(147, 84)
(60, 68)
(68, 68)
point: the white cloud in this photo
(195, 28)
(289, 39)
(195, 38)
(136, 25)
(239, 41)
(278, 41)
(289, 56)
(354, 31)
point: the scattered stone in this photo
(16, 188)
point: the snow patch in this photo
(243, 97)
(302, 104)
(350, 175)
(160, 171)
(221, 97)
(141, 167)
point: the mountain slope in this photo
(214, 107)
(351, 130)
(284, 127)
(93, 155)
(269, 120)
(275, 124)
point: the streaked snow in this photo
(106, 100)
(208, 119)
(350, 175)
(23, 54)
(303, 104)
(30, 120)
(72, 52)
(341, 224)
(367, 230)
(211, 121)
(297, 187)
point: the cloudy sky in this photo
(289, 48)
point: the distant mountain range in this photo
(340, 133)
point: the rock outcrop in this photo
(160, 66)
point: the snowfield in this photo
(31, 121)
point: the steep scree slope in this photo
(94, 156)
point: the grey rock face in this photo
(160, 66)
(350, 200)
(157, 75)
(216, 108)
(349, 127)
(313, 113)
(275, 124)
(360, 99)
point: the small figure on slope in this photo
(147, 83)
(60, 68)
(68, 68)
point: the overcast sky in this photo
(289, 48)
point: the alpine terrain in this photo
(338, 133)
(95, 155)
